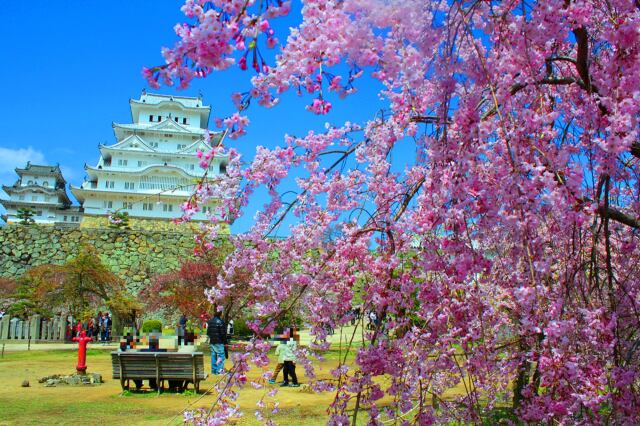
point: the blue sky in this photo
(71, 66)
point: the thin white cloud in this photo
(12, 158)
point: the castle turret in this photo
(40, 189)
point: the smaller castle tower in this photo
(41, 189)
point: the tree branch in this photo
(635, 149)
(619, 216)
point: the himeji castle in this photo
(41, 190)
(152, 168)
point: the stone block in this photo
(12, 328)
(35, 326)
(62, 328)
(4, 328)
(55, 328)
(18, 329)
(44, 331)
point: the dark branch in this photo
(635, 149)
(582, 59)
(619, 216)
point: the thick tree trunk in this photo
(521, 381)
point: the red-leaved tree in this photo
(185, 291)
(182, 291)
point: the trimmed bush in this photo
(241, 329)
(151, 325)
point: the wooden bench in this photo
(161, 366)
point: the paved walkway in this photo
(15, 347)
(305, 340)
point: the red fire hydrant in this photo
(82, 340)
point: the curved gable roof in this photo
(133, 142)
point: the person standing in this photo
(289, 357)
(280, 365)
(217, 332)
(90, 327)
(182, 328)
(96, 326)
(107, 325)
(138, 324)
(103, 328)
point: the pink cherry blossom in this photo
(489, 216)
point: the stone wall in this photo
(137, 223)
(133, 255)
(168, 225)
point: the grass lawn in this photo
(106, 404)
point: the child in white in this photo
(289, 357)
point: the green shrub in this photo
(151, 325)
(240, 328)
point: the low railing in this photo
(35, 328)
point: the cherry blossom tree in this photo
(503, 253)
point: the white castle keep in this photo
(152, 168)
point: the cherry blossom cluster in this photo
(489, 219)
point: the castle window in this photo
(147, 206)
(151, 118)
(45, 183)
(129, 185)
(107, 204)
(127, 206)
(21, 197)
(167, 207)
(122, 162)
(39, 213)
(30, 182)
(109, 184)
(64, 218)
(176, 119)
(34, 198)
(223, 168)
(184, 120)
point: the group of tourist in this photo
(99, 327)
(219, 334)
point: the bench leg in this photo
(124, 387)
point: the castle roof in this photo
(157, 101)
(41, 170)
(31, 189)
(157, 98)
